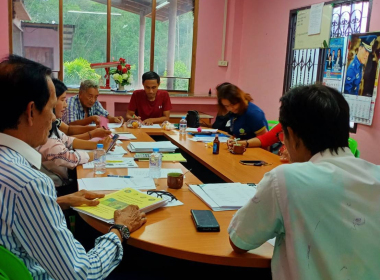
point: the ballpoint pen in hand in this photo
(119, 176)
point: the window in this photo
(304, 67)
(96, 31)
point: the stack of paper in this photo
(114, 183)
(104, 211)
(140, 147)
(224, 196)
(204, 130)
(117, 151)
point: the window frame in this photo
(322, 52)
(108, 51)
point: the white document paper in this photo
(208, 139)
(118, 151)
(163, 146)
(111, 183)
(144, 172)
(115, 162)
(151, 126)
(114, 125)
(315, 19)
(169, 203)
(191, 129)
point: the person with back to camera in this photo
(247, 119)
(32, 224)
(323, 208)
(150, 105)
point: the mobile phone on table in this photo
(113, 142)
(204, 220)
(253, 162)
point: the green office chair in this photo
(272, 124)
(11, 267)
(353, 145)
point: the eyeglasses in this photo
(280, 136)
(162, 194)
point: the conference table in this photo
(170, 231)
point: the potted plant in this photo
(122, 74)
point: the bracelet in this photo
(89, 134)
(246, 141)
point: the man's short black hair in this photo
(317, 114)
(60, 87)
(150, 76)
(22, 81)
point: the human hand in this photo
(119, 119)
(106, 143)
(148, 122)
(230, 143)
(100, 132)
(131, 217)
(82, 197)
(96, 120)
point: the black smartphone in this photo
(253, 162)
(113, 143)
(204, 220)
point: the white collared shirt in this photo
(325, 215)
(33, 227)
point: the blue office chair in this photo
(11, 267)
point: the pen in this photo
(119, 176)
(104, 127)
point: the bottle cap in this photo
(183, 117)
(155, 150)
(99, 146)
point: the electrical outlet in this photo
(223, 63)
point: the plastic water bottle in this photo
(155, 162)
(99, 160)
(182, 125)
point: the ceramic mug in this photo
(238, 149)
(175, 180)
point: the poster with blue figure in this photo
(334, 59)
(362, 62)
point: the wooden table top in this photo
(170, 230)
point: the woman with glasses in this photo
(247, 120)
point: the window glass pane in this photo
(173, 43)
(35, 31)
(87, 43)
(130, 37)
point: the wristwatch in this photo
(124, 231)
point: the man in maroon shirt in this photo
(151, 105)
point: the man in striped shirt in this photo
(84, 108)
(32, 224)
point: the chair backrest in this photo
(272, 124)
(353, 145)
(11, 267)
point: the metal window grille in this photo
(305, 66)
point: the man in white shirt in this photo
(32, 225)
(324, 208)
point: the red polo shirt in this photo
(149, 109)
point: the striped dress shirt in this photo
(75, 110)
(33, 227)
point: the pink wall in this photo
(4, 45)
(209, 46)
